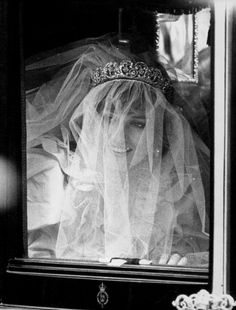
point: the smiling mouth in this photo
(120, 150)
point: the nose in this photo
(117, 134)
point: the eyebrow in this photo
(138, 116)
(134, 115)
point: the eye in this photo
(108, 118)
(139, 125)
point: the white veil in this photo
(135, 172)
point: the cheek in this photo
(136, 138)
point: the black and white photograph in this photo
(117, 143)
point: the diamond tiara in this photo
(133, 71)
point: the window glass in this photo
(118, 153)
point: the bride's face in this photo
(127, 136)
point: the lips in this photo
(118, 150)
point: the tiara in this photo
(133, 71)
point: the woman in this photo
(114, 167)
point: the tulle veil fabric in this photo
(131, 176)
